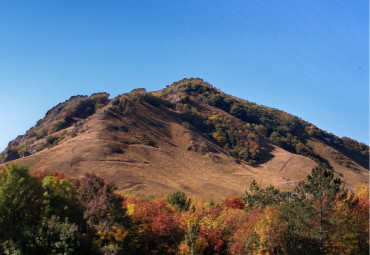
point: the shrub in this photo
(126, 105)
(57, 126)
(234, 201)
(187, 125)
(51, 140)
(42, 132)
(153, 100)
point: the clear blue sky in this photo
(309, 58)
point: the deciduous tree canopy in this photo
(47, 213)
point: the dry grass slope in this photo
(150, 152)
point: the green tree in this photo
(263, 197)
(309, 212)
(20, 206)
(179, 200)
(59, 198)
(191, 235)
(55, 236)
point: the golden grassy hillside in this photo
(145, 148)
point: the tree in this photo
(102, 212)
(238, 111)
(263, 197)
(191, 235)
(179, 200)
(213, 237)
(101, 206)
(238, 229)
(234, 201)
(20, 206)
(345, 237)
(58, 237)
(309, 212)
(59, 198)
(361, 216)
(155, 227)
(167, 232)
(268, 232)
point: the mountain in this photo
(188, 136)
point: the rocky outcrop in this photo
(9, 155)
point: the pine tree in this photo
(309, 211)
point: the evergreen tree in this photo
(309, 212)
(179, 200)
(263, 197)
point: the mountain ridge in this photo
(140, 138)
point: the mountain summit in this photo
(188, 136)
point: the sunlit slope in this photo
(186, 137)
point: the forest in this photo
(46, 212)
(242, 125)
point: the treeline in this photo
(48, 213)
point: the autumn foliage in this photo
(48, 213)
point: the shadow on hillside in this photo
(324, 161)
(268, 155)
(354, 156)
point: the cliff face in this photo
(188, 136)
